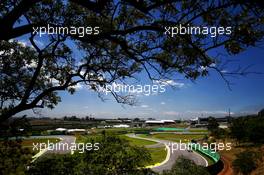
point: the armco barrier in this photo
(213, 155)
(218, 165)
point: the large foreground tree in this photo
(132, 38)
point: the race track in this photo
(172, 156)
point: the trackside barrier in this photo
(213, 155)
(170, 129)
(218, 165)
(215, 168)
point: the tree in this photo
(115, 156)
(254, 132)
(130, 38)
(261, 113)
(14, 159)
(245, 162)
(212, 124)
(220, 133)
(185, 166)
(237, 129)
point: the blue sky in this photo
(204, 97)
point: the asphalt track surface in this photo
(172, 156)
(61, 147)
(64, 145)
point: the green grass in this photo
(157, 155)
(198, 130)
(175, 137)
(116, 130)
(137, 142)
(83, 139)
(111, 129)
(132, 141)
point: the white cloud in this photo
(206, 67)
(144, 106)
(78, 86)
(169, 83)
(224, 71)
(171, 113)
(206, 112)
(162, 103)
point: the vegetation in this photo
(198, 130)
(175, 137)
(115, 156)
(213, 127)
(246, 162)
(124, 45)
(137, 142)
(246, 154)
(185, 166)
(212, 124)
(253, 132)
(131, 40)
(14, 159)
(158, 155)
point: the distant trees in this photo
(248, 129)
(255, 130)
(185, 166)
(136, 119)
(212, 123)
(261, 113)
(238, 130)
(213, 127)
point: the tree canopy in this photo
(248, 129)
(115, 156)
(184, 166)
(131, 39)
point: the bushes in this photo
(115, 156)
(246, 162)
(185, 166)
(13, 158)
(248, 129)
